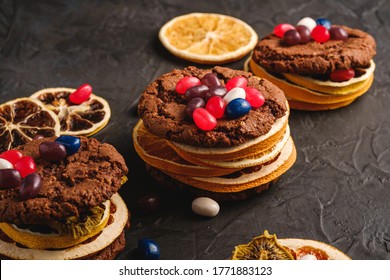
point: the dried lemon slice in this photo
(156, 152)
(23, 118)
(208, 38)
(85, 119)
(264, 247)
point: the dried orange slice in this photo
(156, 152)
(85, 119)
(23, 118)
(208, 38)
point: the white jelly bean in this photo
(205, 206)
(308, 22)
(234, 93)
(5, 164)
(308, 257)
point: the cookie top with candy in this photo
(53, 179)
(218, 107)
(314, 47)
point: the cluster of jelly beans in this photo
(18, 170)
(208, 100)
(81, 94)
(319, 30)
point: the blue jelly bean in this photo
(148, 249)
(237, 108)
(71, 143)
(324, 22)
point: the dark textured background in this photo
(337, 192)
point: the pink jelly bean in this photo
(237, 81)
(342, 75)
(254, 97)
(81, 94)
(320, 34)
(204, 119)
(216, 106)
(185, 83)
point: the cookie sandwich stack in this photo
(220, 133)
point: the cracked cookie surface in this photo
(70, 187)
(162, 110)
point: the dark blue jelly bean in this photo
(237, 108)
(324, 22)
(148, 249)
(71, 143)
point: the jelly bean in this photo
(254, 97)
(211, 80)
(280, 29)
(320, 34)
(237, 108)
(308, 257)
(148, 203)
(38, 136)
(148, 249)
(12, 156)
(338, 33)
(81, 94)
(291, 37)
(305, 33)
(71, 143)
(196, 91)
(308, 22)
(52, 150)
(203, 119)
(30, 187)
(186, 83)
(5, 164)
(9, 178)
(216, 91)
(324, 22)
(25, 166)
(237, 81)
(216, 106)
(342, 75)
(234, 93)
(205, 206)
(194, 103)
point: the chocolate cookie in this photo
(162, 110)
(315, 58)
(70, 187)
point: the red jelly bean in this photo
(320, 34)
(280, 29)
(186, 83)
(12, 156)
(254, 97)
(81, 94)
(342, 75)
(203, 119)
(237, 81)
(216, 106)
(25, 166)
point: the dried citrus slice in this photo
(156, 152)
(208, 38)
(23, 118)
(85, 119)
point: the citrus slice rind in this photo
(36, 240)
(266, 174)
(263, 247)
(300, 93)
(104, 239)
(156, 152)
(23, 118)
(208, 38)
(296, 243)
(85, 119)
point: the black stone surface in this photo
(337, 192)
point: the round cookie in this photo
(163, 111)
